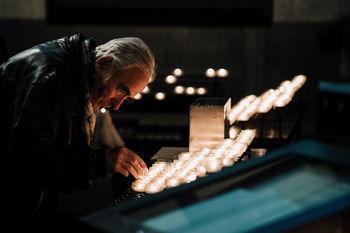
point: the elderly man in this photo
(50, 93)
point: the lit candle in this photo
(138, 186)
(210, 73)
(217, 153)
(213, 165)
(179, 174)
(145, 90)
(170, 79)
(298, 81)
(154, 187)
(201, 171)
(203, 152)
(190, 90)
(172, 182)
(160, 95)
(184, 156)
(246, 136)
(222, 73)
(237, 149)
(234, 131)
(179, 90)
(238, 109)
(191, 176)
(201, 91)
(250, 110)
(228, 161)
(269, 97)
(177, 72)
(138, 96)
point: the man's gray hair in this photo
(128, 52)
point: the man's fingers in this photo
(141, 162)
(135, 162)
(137, 167)
(128, 162)
(120, 169)
(138, 158)
(131, 169)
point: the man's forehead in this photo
(135, 82)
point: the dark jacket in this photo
(44, 93)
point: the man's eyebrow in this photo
(124, 88)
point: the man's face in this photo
(117, 87)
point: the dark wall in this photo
(258, 58)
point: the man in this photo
(49, 94)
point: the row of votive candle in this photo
(279, 97)
(187, 167)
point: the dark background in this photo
(261, 43)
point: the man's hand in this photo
(124, 161)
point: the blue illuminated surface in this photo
(245, 209)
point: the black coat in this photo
(44, 94)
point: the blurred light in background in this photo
(190, 91)
(170, 79)
(146, 90)
(201, 91)
(222, 73)
(138, 96)
(177, 72)
(179, 90)
(234, 131)
(160, 95)
(210, 73)
(103, 110)
(151, 79)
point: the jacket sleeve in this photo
(37, 151)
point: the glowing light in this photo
(154, 187)
(250, 110)
(170, 79)
(287, 91)
(138, 96)
(146, 90)
(227, 162)
(222, 73)
(138, 186)
(190, 177)
(177, 72)
(233, 132)
(298, 81)
(190, 91)
(151, 79)
(179, 90)
(246, 136)
(160, 95)
(201, 171)
(213, 165)
(172, 182)
(201, 91)
(103, 110)
(227, 143)
(240, 107)
(145, 171)
(268, 99)
(236, 150)
(210, 73)
(184, 156)
(188, 166)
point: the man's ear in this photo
(103, 63)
